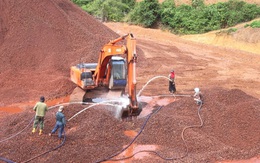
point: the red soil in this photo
(40, 40)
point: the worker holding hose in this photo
(172, 87)
(40, 108)
(60, 122)
(198, 96)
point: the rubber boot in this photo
(40, 132)
(34, 129)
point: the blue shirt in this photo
(60, 117)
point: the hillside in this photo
(246, 39)
(40, 40)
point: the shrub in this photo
(145, 13)
(255, 24)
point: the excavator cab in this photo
(118, 73)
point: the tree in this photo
(107, 10)
(81, 2)
(145, 13)
(197, 3)
(167, 11)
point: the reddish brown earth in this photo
(40, 40)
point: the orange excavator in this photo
(115, 70)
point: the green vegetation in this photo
(145, 13)
(106, 10)
(184, 19)
(254, 24)
(228, 31)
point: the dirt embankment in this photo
(41, 40)
(245, 38)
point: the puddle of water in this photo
(19, 107)
(11, 109)
(153, 101)
(165, 101)
(58, 101)
(133, 149)
(130, 133)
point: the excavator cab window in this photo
(118, 73)
(85, 75)
(118, 68)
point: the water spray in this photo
(121, 102)
(156, 77)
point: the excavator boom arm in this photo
(112, 49)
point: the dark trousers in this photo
(172, 87)
(38, 120)
(59, 126)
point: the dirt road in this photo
(196, 64)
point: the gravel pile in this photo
(227, 131)
(40, 40)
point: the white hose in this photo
(156, 77)
(100, 103)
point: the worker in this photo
(117, 76)
(40, 108)
(172, 87)
(198, 96)
(60, 122)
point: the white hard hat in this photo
(196, 90)
(61, 108)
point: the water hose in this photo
(10, 137)
(6, 160)
(18, 132)
(60, 145)
(139, 133)
(154, 152)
